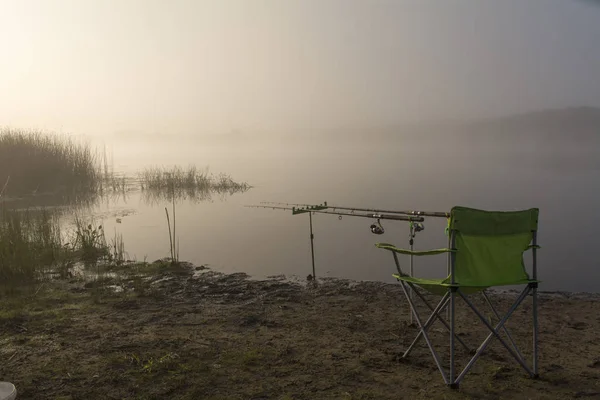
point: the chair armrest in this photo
(391, 247)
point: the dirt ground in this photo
(189, 335)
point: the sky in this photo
(258, 66)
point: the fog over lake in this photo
(384, 104)
(423, 171)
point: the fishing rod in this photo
(436, 214)
(324, 210)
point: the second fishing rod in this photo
(436, 214)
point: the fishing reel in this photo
(418, 227)
(414, 228)
(377, 228)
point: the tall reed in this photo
(42, 163)
(117, 246)
(173, 239)
(30, 244)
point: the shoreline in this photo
(303, 282)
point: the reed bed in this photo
(223, 183)
(160, 184)
(34, 163)
(176, 178)
(43, 168)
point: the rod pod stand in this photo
(312, 248)
(310, 210)
(413, 229)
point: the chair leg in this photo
(535, 334)
(438, 316)
(435, 313)
(494, 333)
(487, 299)
(424, 332)
(412, 289)
(453, 384)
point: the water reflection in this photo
(158, 196)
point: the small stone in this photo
(578, 325)
(595, 364)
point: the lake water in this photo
(417, 175)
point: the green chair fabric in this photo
(488, 247)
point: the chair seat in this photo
(441, 286)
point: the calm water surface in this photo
(261, 242)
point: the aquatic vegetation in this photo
(30, 243)
(37, 163)
(164, 184)
(176, 178)
(45, 169)
(89, 241)
(173, 239)
(223, 183)
(44, 177)
(117, 254)
(34, 245)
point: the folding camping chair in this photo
(486, 250)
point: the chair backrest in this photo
(490, 245)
